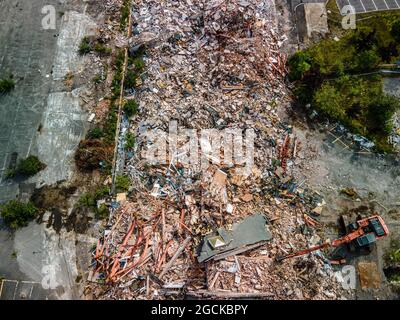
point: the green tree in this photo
(17, 214)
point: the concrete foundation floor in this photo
(43, 118)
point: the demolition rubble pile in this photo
(214, 232)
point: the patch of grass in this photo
(116, 83)
(17, 214)
(6, 85)
(98, 79)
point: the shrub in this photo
(328, 100)
(122, 183)
(85, 47)
(30, 166)
(125, 11)
(95, 133)
(367, 60)
(102, 212)
(299, 64)
(87, 200)
(380, 113)
(16, 214)
(130, 108)
(101, 192)
(102, 49)
(6, 85)
(395, 30)
(131, 79)
(138, 63)
(130, 141)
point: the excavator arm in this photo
(304, 251)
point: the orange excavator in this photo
(362, 233)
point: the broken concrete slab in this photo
(251, 233)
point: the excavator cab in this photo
(365, 240)
(377, 228)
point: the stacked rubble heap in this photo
(210, 65)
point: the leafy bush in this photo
(87, 200)
(125, 11)
(16, 214)
(329, 100)
(6, 85)
(30, 166)
(102, 49)
(110, 126)
(395, 30)
(102, 212)
(85, 46)
(122, 183)
(95, 133)
(380, 113)
(367, 60)
(299, 64)
(131, 79)
(394, 256)
(130, 141)
(130, 108)
(101, 192)
(10, 173)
